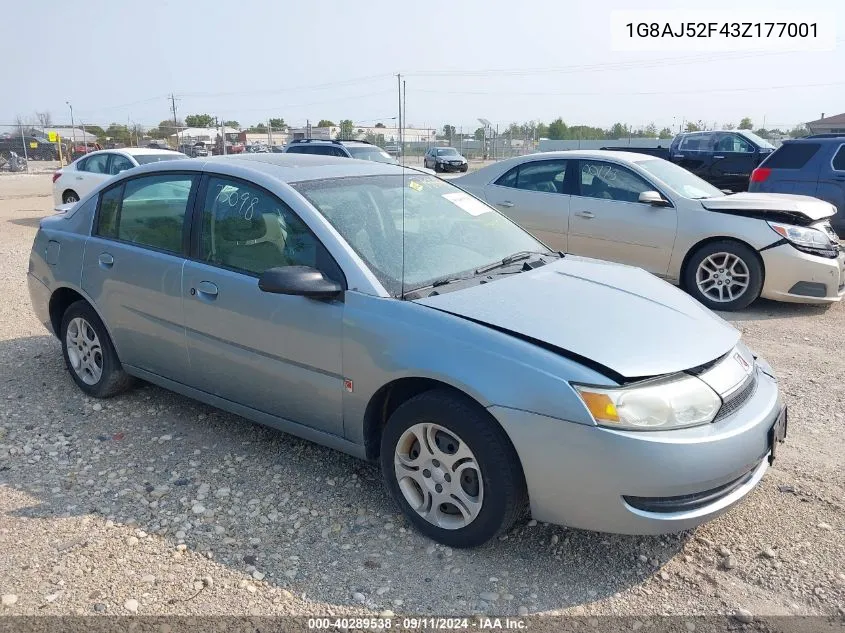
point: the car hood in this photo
(617, 316)
(450, 157)
(810, 208)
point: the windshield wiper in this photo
(506, 261)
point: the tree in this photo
(557, 129)
(666, 133)
(798, 131)
(448, 131)
(729, 126)
(45, 119)
(258, 127)
(119, 134)
(692, 127)
(232, 123)
(278, 124)
(745, 124)
(618, 131)
(165, 128)
(379, 124)
(199, 120)
(347, 129)
(542, 130)
(478, 135)
(650, 130)
(97, 131)
(325, 123)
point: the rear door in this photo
(132, 269)
(278, 354)
(607, 222)
(734, 157)
(90, 173)
(695, 153)
(536, 195)
(831, 187)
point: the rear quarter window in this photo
(791, 155)
(839, 159)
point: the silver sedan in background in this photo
(386, 313)
(725, 250)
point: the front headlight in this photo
(806, 239)
(674, 402)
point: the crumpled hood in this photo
(811, 208)
(618, 316)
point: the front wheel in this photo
(89, 353)
(724, 275)
(452, 469)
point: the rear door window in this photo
(791, 155)
(96, 164)
(839, 159)
(696, 142)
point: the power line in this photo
(323, 86)
(627, 93)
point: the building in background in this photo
(828, 125)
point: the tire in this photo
(70, 196)
(455, 423)
(83, 323)
(708, 260)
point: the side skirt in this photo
(260, 417)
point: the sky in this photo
(335, 59)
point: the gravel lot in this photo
(155, 504)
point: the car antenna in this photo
(402, 158)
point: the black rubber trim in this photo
(809, 289)
(689, 502)
(780, 242)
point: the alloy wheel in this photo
(439, 476)
(722, 277)
(84, 351)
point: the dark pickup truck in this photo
(724, 158)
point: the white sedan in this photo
(725, 250)
(87, 172)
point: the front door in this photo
(274, 353)
(535, 195)
(733, 159)
(606, 221)
(695, 153)
(132, 270)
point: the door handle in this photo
(586, 214)
(718, 157)
(507, 204)
(207, 288)
(106, 260)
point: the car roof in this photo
(832, 140)
(292, 167)
(626, 157)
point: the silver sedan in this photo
(388, 314)
(725, 250)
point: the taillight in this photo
(761, 174)
(56, 175)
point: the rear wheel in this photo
(451, 469)
(89, 354)
(724, 275)
(70, 196)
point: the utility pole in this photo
(175, 125)
(222, 136)
(404, 115)
(269, 134)
(72, 128)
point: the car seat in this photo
(255, 244)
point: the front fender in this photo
(387, 339)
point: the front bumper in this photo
(449, 167)
(802, 278)
(580, 475)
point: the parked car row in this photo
(32, 147)
(283, 288)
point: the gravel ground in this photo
(155, 504)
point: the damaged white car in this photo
(724, 249)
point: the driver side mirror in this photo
(653, 198)
(303, 281)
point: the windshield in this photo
(146, 159)
(371, 153)
(447, 151)
(759, 140)
(447, 232)
(679, 179)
